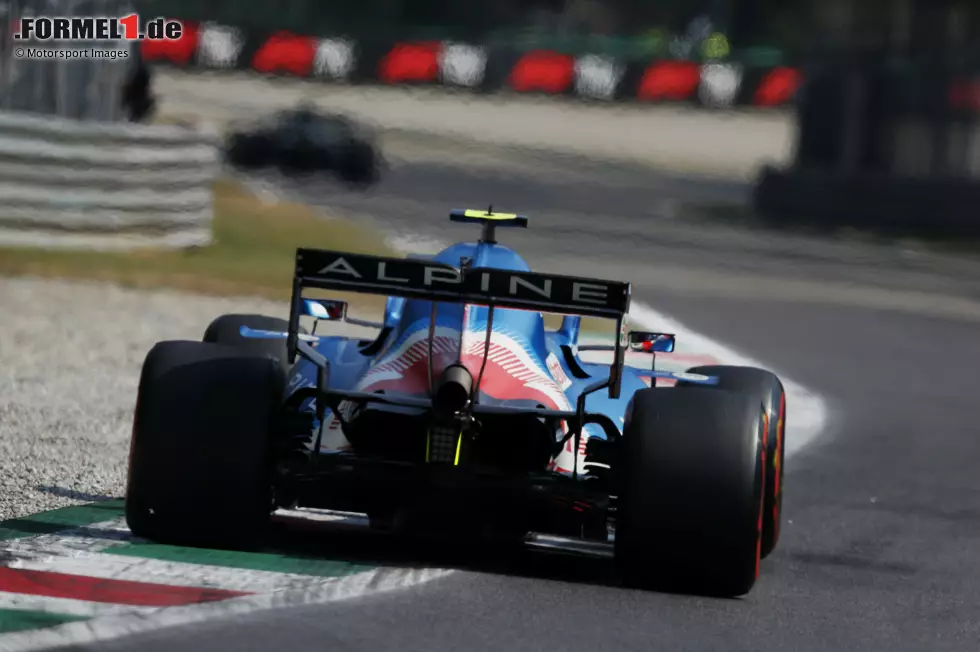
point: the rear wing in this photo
(432, 281)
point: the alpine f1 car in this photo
(463, 416)
(303, 140)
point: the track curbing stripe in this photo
(67, 606)
(255, 561)
(348, 588)
(94, 551)
(57, 520)
(17, 579)
(17, 620)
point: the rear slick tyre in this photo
(767, 386)
(691, 476)
(200, 467)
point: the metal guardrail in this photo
(71, 184)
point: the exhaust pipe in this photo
(454, 390)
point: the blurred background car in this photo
(302, 140)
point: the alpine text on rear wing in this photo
(432, 281)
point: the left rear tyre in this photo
(200, 456)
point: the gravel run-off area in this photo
(70, 358)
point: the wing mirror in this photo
(652, 342)
(325, 309)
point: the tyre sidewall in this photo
(767, 386)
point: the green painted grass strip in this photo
(17, 620)
(57, 520)
(259, 561)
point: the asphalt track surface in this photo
(881, 544)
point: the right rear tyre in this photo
(691, 469)
(200, 456)
(767, 386)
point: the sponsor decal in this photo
(300, 381)
(554, 366)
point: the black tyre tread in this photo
(767, 385)
(692, 475)
(199, 470)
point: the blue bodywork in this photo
(408, 320)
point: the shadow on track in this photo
(361, 545)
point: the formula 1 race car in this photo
(462, 417)
(303, 140)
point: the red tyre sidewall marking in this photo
(777, 495)
(762, 498)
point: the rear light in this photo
(443, 445)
